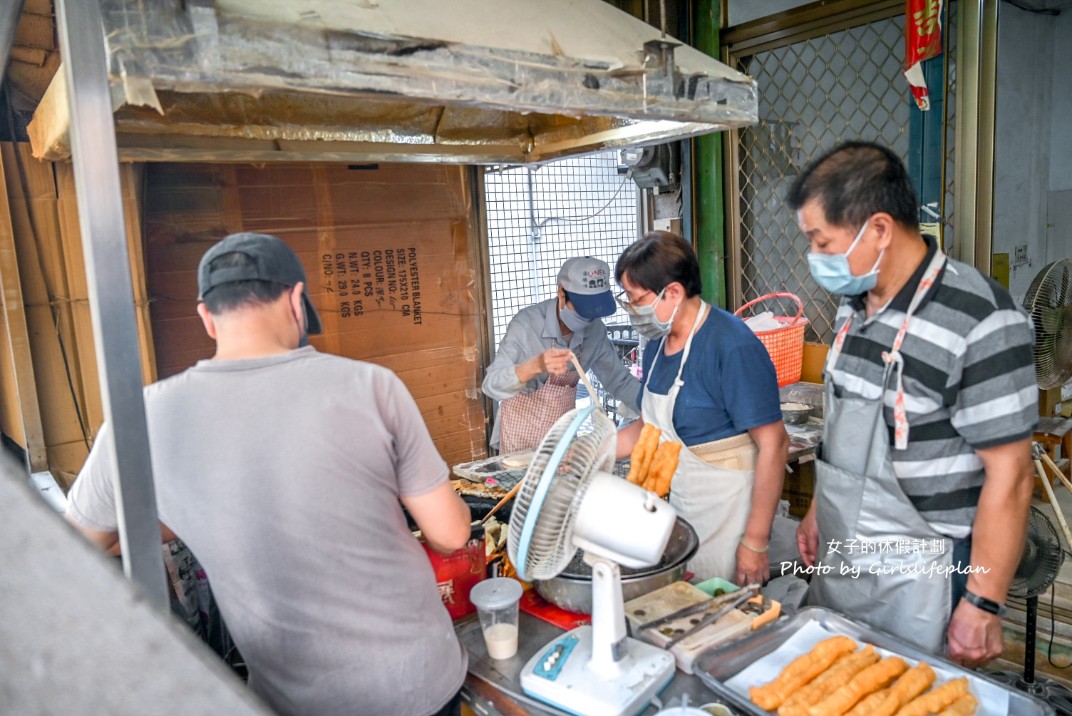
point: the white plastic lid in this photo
(495, 593)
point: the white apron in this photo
(870, 534)
(714, 500)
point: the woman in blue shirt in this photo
(710, 384)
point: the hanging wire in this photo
(577, 219)
(1053, 626)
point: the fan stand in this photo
(1039, 456)
(1048, 690)
(596, 670)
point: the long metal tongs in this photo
(746, 593)
(701, 606)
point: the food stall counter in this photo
(493, 686)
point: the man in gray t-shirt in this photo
(283, 469)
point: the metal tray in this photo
(720, 664)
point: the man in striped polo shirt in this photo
(925, 474)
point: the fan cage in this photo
(590, 447)
(1049, 301)
(1041, 560)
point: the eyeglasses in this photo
(623, 300)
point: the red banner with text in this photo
(923, 40)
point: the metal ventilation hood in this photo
(465, 81)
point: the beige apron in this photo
(526, 417)
(714, 497)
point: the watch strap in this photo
(987, 605)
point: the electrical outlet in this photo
(1020, 255)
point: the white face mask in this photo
(645, 321)
(573, 320)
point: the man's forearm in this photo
(1000, 525)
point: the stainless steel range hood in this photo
(464, 81)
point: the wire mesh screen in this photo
(813, 94)
(538, 217)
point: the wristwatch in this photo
(987, 605)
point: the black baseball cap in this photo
(272, 261)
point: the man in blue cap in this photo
(532, 374)
(283, 468)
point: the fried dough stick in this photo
(964, 706)
(643, 452)
(886, 702)
(663, 467)
(867, 681)
(936, 700)
(826, 683)
(800, 671)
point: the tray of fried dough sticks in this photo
(759, 660)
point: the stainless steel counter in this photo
(496, 683)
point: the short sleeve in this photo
(91, 499)
(418, 465)
(749, 386)
(997, 395)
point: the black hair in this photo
(855, 180)
(236, 294)
(659, 259)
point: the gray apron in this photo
(880, 562)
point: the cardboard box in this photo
(391, 260)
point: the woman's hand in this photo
(752, 567)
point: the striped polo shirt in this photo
(969, 383)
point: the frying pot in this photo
(572, 588)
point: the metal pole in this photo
(111, 294)
(9, 22)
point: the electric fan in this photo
(568, 500)
(1041, 559)
(1049, 301)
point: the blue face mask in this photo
(832, 272)
(573, 320)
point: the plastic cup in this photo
(496, 602)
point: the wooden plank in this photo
(42, 256)
(48, 310)
(18, 340)
(38, 7)
(189, 148)
(35, 30)
(74, 259)
(29, 55)
(81, 319)
(10, 424)
(130, 177)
